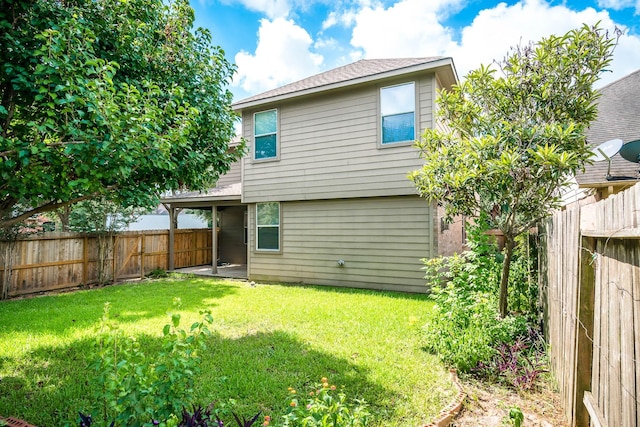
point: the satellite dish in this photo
(606, 150)
(631, 151)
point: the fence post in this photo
(142, 256)
(85, 260)
(170, 262)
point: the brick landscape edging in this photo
(448, 413)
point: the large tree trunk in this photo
(64, 214)
(504, 278)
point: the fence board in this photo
(54, 261)
(606, 322)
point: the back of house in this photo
(325, 182)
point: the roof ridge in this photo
(344, 73)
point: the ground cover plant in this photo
(264, 339)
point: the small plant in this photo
(325, 407)
(134, 389)
(86, 420)
(516, 417)
(518, 364)
(157, 273)
(199, 417)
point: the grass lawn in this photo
(265, 338)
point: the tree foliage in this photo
(515, 134)
(111, 98)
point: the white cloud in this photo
(626, 59)
(494, 31)
(331, 20)
(345, 18)
(271, 8)
(414, 28)
(324, 43)
(616, 4)
(282, 55)
(408, 28)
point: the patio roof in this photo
(231, 193)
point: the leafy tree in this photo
(111, 98)
(515, 134)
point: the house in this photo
(618, 118)
(322, 196)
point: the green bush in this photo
(465, 328)
(135, 389)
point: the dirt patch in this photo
(488, 405)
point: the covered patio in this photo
(229, 230)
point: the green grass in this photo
(265, 338)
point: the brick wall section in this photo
(451, 236)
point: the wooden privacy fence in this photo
(590, 284)
(64, 260)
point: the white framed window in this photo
(265, 135)
(398, 113)
(268, 226)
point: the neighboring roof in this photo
(358, 72)
(618, 118)
(231, 192)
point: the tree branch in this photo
(5, 223)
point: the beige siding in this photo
(439, 123)
(381, 241)
(329, 148)
(232, 177)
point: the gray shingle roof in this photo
(357, 70)
(618, 118)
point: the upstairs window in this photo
(265, 132)
(397, 108)
(268, 226)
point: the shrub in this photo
(465, 328)
(326, 406)
(157, 273)
(134, 389)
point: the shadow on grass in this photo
(131, 302)
(343, 290)
(255, 370)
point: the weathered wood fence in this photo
(590, 282)
(64, 260)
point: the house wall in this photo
(233, 176)
(381, 241)
(231, 246)
(329, 147)
(439, 123)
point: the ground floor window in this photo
(268, 226)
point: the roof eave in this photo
(605, 184)
(442, 63)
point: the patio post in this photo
(214, 240)
(172, 213)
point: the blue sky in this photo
(274, 42)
